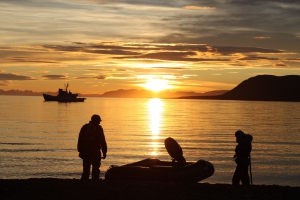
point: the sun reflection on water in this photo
(155, 107)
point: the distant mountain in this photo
(258, 88)
(24, 93)
(133, 93)
(263, 88)
(126, 93)
(20, 93)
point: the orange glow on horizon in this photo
(157, 85)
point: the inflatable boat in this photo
(150, 169)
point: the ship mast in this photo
(67, 85)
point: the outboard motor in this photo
(175, 151)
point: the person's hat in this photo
(239, 132)
(96, 117)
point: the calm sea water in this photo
(38, 139)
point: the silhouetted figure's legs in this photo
(96, 162)
(86, 168)
(241, 174)
(245, 176)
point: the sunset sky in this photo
(184, 45)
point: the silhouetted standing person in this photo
(91, 141)
(242, 158)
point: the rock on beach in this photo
(45, 188)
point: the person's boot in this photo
(95, 176)
(85, 176)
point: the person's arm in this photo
(103, 143)
(79, 143)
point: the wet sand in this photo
(105, 189)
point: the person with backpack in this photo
(242, 158)
(91, 141)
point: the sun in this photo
(157, 85)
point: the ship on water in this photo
(64, 96)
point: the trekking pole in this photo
(250, 171)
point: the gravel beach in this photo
(104, 189)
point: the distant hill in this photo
(22, 93)
(133, 93)
(263, 88)
(258, 88)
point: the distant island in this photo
(162, 94)
(258, 88)
(131, 93)
(262, 88)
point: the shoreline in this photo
(52, 188)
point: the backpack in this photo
(248, 137)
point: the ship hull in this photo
(48, 97)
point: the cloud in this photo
(236, 22)
(199, 8)
(100, 77)
(239, 64)
(173, 56)
(41, 71)
(29, 60)
(188, 52)
(94, 48)
(255, 57)
(227, 50)
(146, 20)
(83, 53)
(262, 37)
(168, 3)
(280, 64)
(259, 2)
(293, 59)
(82, 77)
(5, 83)
(11, 76)
(54, 77)
(169, 68)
